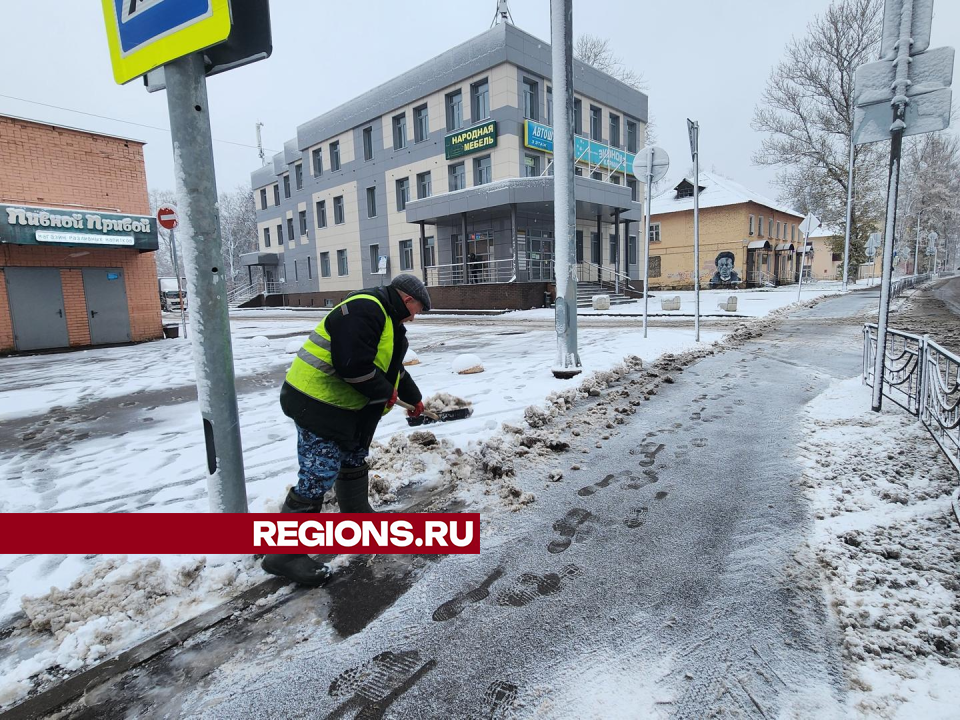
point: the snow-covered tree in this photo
(806, 115)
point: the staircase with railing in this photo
(240, 294)
(595, 279)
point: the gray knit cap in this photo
(412, 286)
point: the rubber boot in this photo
(302, 569)
(352, 485)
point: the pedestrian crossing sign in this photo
(145, 34)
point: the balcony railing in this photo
(484, 271)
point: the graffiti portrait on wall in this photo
(725, 274)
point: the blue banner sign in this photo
(537, 136)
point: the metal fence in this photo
(486, 271)
(923, 378)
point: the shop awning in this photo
(785, 247)
(758, 245)
(259, 258)
(809, 248)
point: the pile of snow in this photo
(260, 341)
(467, 364)
(601, 302)
(293, 347)
(442, 402)
(887, 542)
(411, 358)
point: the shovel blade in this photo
(445, 416)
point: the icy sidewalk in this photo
(887, 542)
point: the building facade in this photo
(746, 240)
(76, 240)
(446, 172)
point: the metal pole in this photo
(803, 258)
(616, 251)
(846, 239)
(646, 237)
(893, 187)
(696, 229)
(206, 284)
(916, 250)
(564, 207)
(176, 269)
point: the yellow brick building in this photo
(746, 240)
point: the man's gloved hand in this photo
(392, 401)
(417, 410)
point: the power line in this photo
(127, 122)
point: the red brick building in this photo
(76, 240)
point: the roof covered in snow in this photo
(716, 191)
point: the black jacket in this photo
(355, 330)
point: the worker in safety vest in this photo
(348, 374)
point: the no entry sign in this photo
(167, 217)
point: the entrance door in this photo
(36, 305)
(107, 311)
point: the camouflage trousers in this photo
(320, 462)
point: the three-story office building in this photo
(446, 172)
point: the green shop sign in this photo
(537, 136)
(25, 225)
(474, 139)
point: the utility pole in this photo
(916, 249)
(263, 156)
(564, 207)
(693, 128)
(649, 165)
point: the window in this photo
(368, 143)
(342, 268)
(594, 248)
(615, 179)
(403, 193)
(276, 194)
(654, 232)
(778, 231)
(770, 227)
(549, 106)
(480, 100)
(338, 218)
(317, 162)
(424, 188)
(374, 257)
(406, 254)
(290, 235)
(750, 226)
(482, 171)
(335, 156)
(530, 97)
(421, 124)
(579, 245)
(399, 133)
(634, 189)
(286, 185)
(266, 237)
(631, 136)
(685, 190)
(279, 234)
(371, 202)
(309, 268)
(298, 174)
(577, 116)
(324, 264)
(577, 170)
(613, 249)
(531, 166)
(654, 267)
(760, 227)
(263, 198)
(321, 213)
(793, 233)
(596, 123)
(454, 103)
(303, 223)
(614, 130)
(632, 249)
(596, 175)
(429, 252)
(458, 177)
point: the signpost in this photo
(809, 224)
(564, 209)
(649, 166)
(693, 128)
(168, 219)
(144, 35)
(916, 83)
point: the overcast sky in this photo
(703, 59)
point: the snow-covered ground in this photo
(117, 430)
(887, 544)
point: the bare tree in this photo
(806, 113)
(238, 229)
(597, 52)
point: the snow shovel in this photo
(428, 417)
